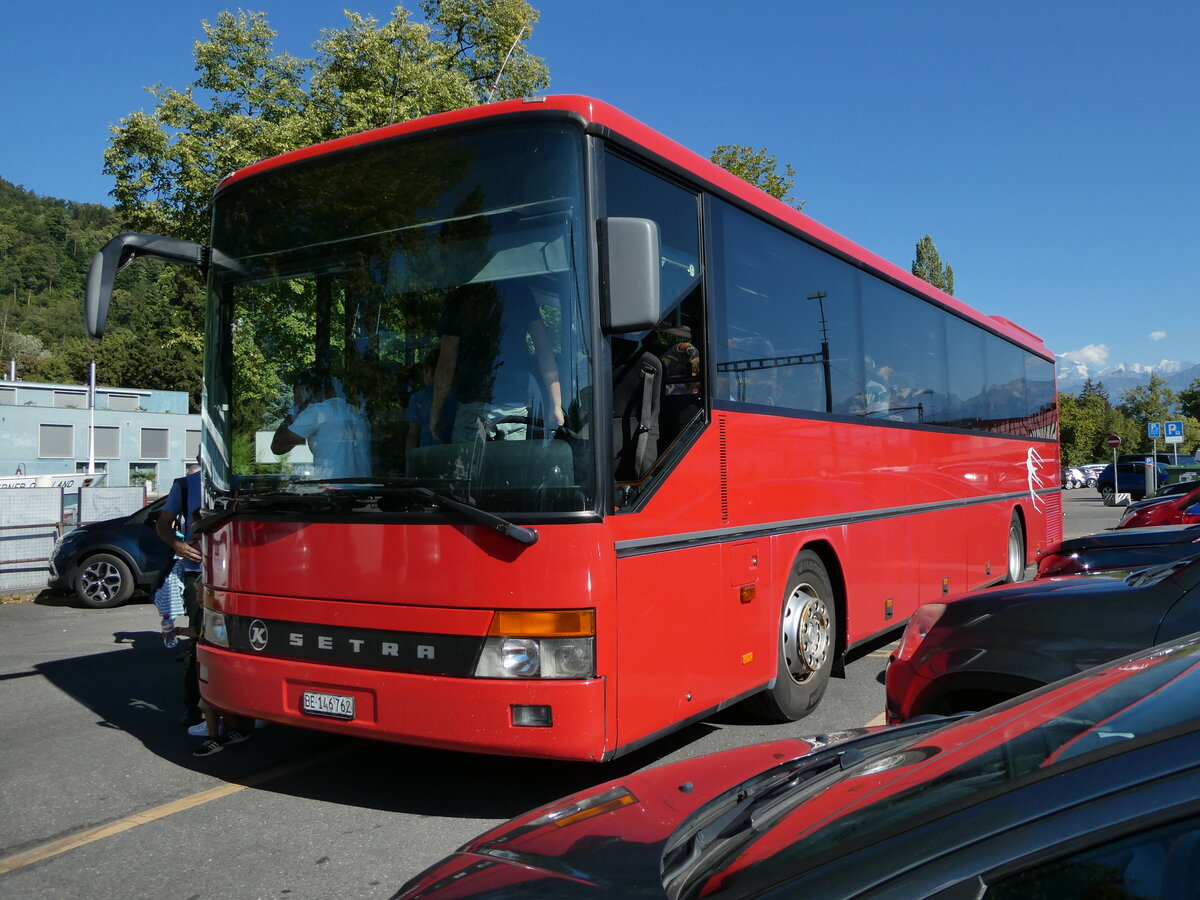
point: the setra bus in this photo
(528, 431)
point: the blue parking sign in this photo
(1154, 430)
(1175, 429)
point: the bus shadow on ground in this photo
(138, 689)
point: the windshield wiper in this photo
(518, 533)
(295, 494)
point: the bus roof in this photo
(602, 118)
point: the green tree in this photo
(249, 101)
(1152, 402)
(1189, 399)
(928, 266)
(1083, 426)
(1094, 388)
(761, 169)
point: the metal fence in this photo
(33, 518)
(30, 523)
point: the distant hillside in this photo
(155, 322)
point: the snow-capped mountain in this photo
(1123, 376)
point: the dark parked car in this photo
(105, 562)
(1130, 477)
(988, 645)
(1122, 549)
(1088, 788)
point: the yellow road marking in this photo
(54, 848)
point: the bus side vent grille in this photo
(1054, 517)
(724, 463)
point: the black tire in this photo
(1091, 482)
(1016, 550)
(103, 580)
(807, 642)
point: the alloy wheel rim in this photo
(101, 581)
(805, 632)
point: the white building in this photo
(140, 436)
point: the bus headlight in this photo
(215, 631)
(540, 644)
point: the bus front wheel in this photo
(807, 643)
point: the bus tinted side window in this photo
(786, 318)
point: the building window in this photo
(56, 441)
(70, 399)
(124, 402)
(8, 396)
(191, 444)
(143, 474)
(156, 443)
(82, 467)
(108, 442)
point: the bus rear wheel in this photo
(807, 644)
(1016, 550)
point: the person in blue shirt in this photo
(183, 502)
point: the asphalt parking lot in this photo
(101, 796)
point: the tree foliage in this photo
(250, 101)
(46, 246)
(761, 169)
(1086, 420)
(1189, 399)
(928, 266)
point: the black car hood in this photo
(1129, 537)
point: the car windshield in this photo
(407, 314)
(1026, 739)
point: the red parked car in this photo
(1183, 511)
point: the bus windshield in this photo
(406, 318)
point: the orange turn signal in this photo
(543, 623)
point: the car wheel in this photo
(1106, 492)
(1091, 482)
(103, 580)
(807, 643)
(1016, 549)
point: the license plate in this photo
(336, 706)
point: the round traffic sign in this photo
(1114, 440)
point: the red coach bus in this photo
(530, 432)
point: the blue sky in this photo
(1051, 149)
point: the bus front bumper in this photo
(468, 714)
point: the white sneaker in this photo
(200, 729)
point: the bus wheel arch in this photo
(809, 638)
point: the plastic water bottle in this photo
(168, 632)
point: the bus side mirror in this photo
(117, 254)
(630, 271)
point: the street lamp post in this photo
(819, 296)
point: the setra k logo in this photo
(258, 634)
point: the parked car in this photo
(1088, 788)
(1123, 549)
(105, 562)
(1167, 459)
(1130, 478)
(1173, 510)
(1091, 471)
(986, 646)
(1072, 478)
